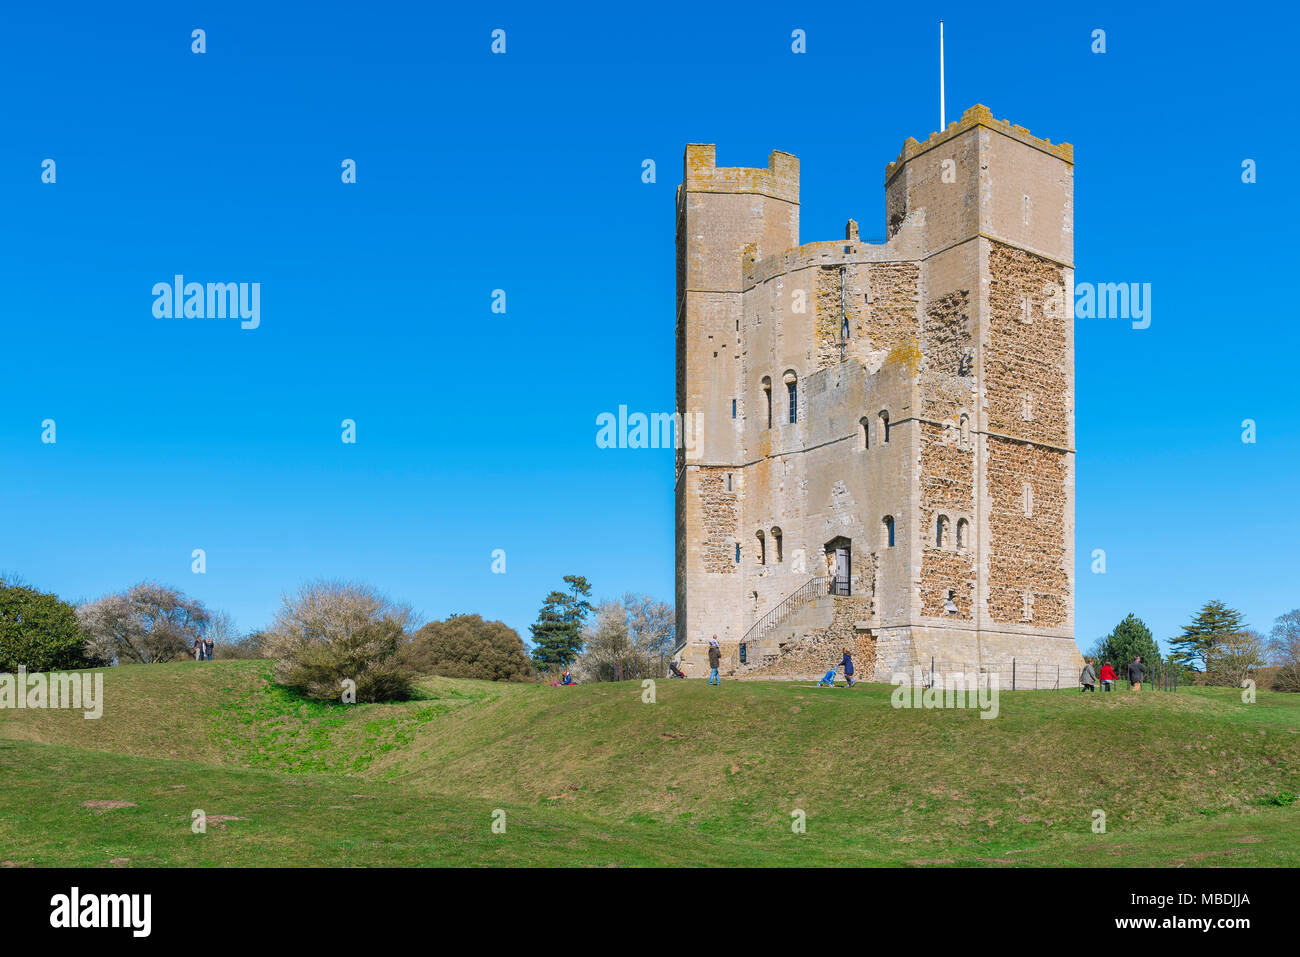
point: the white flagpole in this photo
(942, 116)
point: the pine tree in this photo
(557, 634)
(1130, 639)
(1199, 642)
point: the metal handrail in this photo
(813, 588)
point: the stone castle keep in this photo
(886, 453)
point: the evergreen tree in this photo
(1214, 625)
(557, 634)
(1130, 639)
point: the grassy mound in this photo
(593, 775)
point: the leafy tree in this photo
(466, 646)
(1130, 639)
(557, 633)
(1205, 636)
(38, 631)
(147, 623)
(333, 632)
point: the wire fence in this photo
(1017, 674)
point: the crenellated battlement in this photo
(977, 115)
(780, 180)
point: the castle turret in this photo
(723, 216)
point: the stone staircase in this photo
(809, 639)
(811, 617)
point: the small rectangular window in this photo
(733, 408)
(737, 553)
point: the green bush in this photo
(466, 646)
(334, 632)
(366, 656)
(38, 631)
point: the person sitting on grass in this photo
(568, 677)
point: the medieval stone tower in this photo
(885, 452)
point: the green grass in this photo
(591, 775)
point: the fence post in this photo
(1013, 674)
(932, 671)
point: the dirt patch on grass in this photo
(219, 820)
(99, 807)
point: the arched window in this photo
(762, 548)
(950, 602)
(963, 432)
(941, 532)
(776, 542)
(888, 523)
(792, 393)
(884, 426)
(864, 439)
(767, 394)
(963, 534)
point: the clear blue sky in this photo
(523, 172)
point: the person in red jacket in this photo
(1108, 677)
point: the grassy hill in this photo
(591, 775)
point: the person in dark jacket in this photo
(847, 664)
(1135, 673)
(1089, 677)
(715, 659)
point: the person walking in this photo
(1136, 673)
(1108, 677)
(1088, 678)
(198, 649)
(715, 659)
(847, 663)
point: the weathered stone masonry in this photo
(946, 414)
